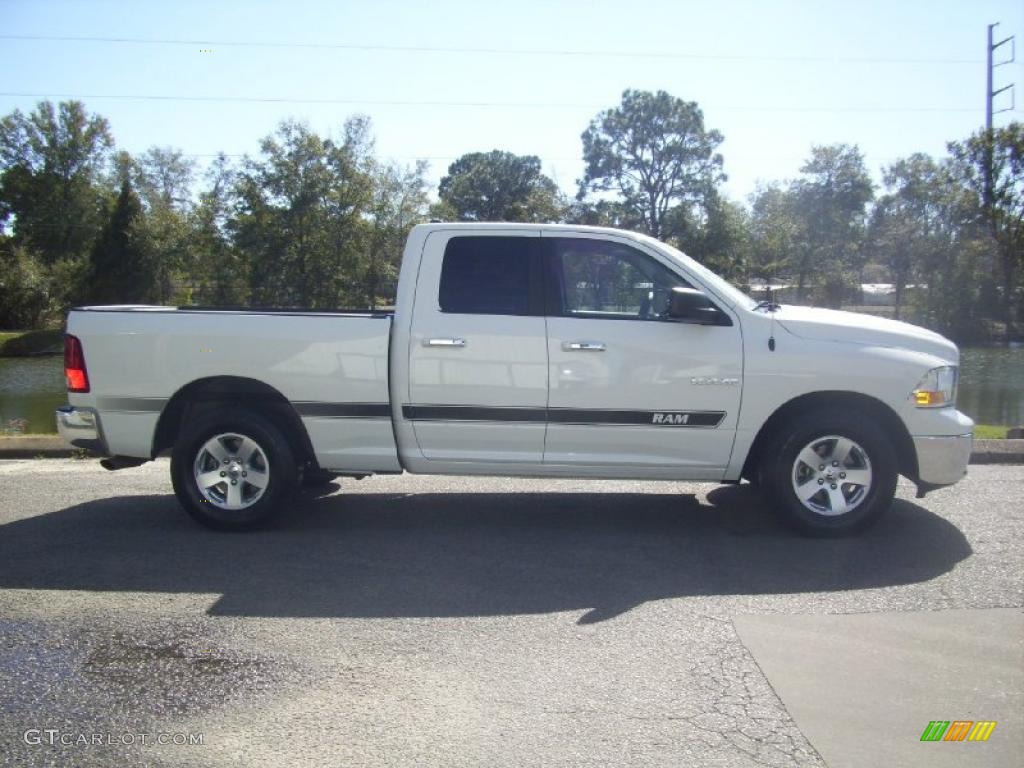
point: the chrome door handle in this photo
(584, 346)
(455, 342)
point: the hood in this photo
(833, 325)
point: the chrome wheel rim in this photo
(832, 475)
(231, 471)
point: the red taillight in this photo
(74, 365)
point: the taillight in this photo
(74, 365)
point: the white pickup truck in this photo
(524, 350)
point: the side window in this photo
(490, 276)
(600, 278)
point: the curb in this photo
(53, 447)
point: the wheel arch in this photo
(212, 393)
(884, 415)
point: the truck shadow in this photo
(446, 555)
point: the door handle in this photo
(453, 342)
(584, 346)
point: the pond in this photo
(30, 389)
(991, 389)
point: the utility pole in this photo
(989, 191)
(990, 95)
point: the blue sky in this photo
(894, 76)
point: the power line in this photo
(473, 104)
(580, 53)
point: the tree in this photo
(51, 167)
(121, 269)
(400, 201)
(909, 224)
(163, 176)
(832, 198)
(777, 232)
(1002, 207)
(300, 217)
(220, 274)
(164, 179)
(500, 186)
(24, 294)
(654, 152)
(720, 239)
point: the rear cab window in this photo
(496, 275)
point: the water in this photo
(991, 388)
(992, 385)
(30, 389)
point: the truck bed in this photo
(329, 364)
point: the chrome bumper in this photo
(942, 460)
(80, 427)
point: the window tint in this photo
(608, 279)
(487, 275)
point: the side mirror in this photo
(688, 305)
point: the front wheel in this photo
(232, 471)
(831, 475)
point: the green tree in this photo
(24, 289)
(602, 213)
(500, 186)
(777, 232)
(654, 152)
(163, 176)
(909, 224)
(719, 239)
(51, 170)
(1001, 207)
(400, 201)
(120, 265)
(832, 196)
(300, 217)
(219, 271)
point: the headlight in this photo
(937, 388)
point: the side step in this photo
(121, 462)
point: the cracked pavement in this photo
(453, 621)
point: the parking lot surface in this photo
(492, 622)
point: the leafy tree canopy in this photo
(654, 151)
(51, 167)
(500, 186)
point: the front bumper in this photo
(942, 460)
(80, 427)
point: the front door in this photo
(478, 375)
(630, 388)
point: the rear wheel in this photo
(830, 474)
(232, 471)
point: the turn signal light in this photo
(74, 365)
(929, 398)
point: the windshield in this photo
(720, 286)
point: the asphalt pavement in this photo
(492, 622)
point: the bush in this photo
(24, 289)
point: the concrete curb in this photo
(52, 446)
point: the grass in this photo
(989, 432)
(26, 343)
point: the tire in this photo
(830, 474)
(234, 445)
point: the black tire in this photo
(841, 508)
(274, 454)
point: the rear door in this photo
(478, 359)
(630, 388)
